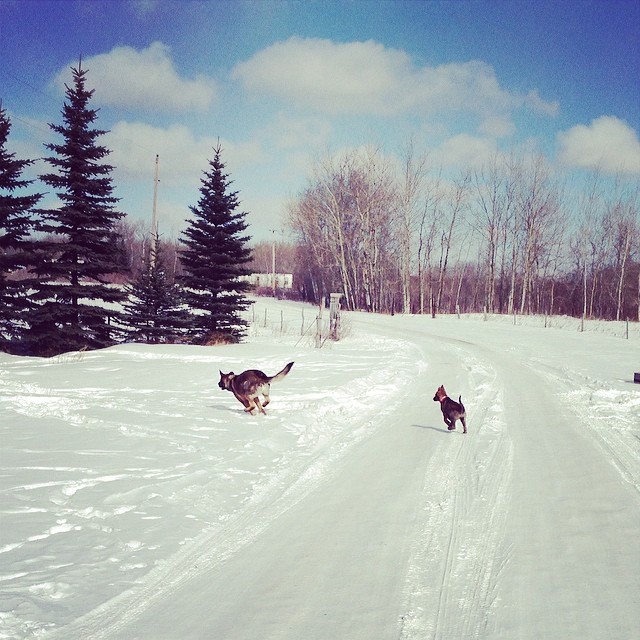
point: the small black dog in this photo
(451, 410)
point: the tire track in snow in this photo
(459, 553)
(592, 400)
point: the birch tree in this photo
(624, 224)
(455, 204)
(410, 193)
(494, 202)
(427, 233)
(539, 205)
(344, 218)
(590, 243)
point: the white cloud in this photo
(183, 158)
(608, 144)
(539, 106)
(292, 133)
(335, 78)
(367, 78)
(497, 126)
(468, 86)
(145, 80)
(465, 150)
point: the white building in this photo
(265, 280)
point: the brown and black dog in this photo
(451, 410)
(249, 385)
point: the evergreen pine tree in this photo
(74, 294)
(154, 312)
(16, 225)
(214, 258)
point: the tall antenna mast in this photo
(154, 217)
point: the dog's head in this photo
(441, 394)
(225, 380)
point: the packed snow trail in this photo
(566, 564)
(330, 567)
(574, 572)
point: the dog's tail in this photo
(460, 403)
(281, 374)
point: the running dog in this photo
(451, 410)
(249, 385)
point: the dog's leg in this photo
(448, 422)
(264, 390)
(464, 424)
(258, 404)
(244, 401)
(247, 403)
(249, 408)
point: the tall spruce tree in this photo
(214, 258)
(154, 312)
(16, 226)
(84, 246)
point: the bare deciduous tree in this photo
(623, 220)
(455, 203)
(345, 220)
(383, 237)
(494, 199)
(409, 219)
(428, 229)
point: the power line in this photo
(33, 88)
(15, 118)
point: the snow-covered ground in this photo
(138, 500)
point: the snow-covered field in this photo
(138, 500)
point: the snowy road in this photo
(385, 525)
(330, 567)
(544, 525)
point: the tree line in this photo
(62, 267)
(390, 235)
(510, 237)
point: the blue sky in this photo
(283, 83)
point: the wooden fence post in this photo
(319, 326)
(334, 316)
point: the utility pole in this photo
(273, 262)
(154, 216)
